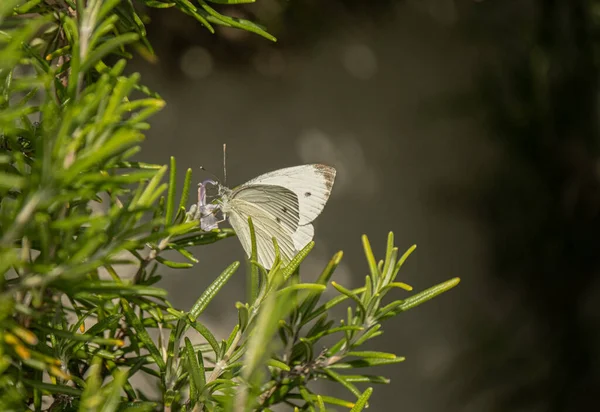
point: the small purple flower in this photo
(206, 212)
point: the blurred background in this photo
(467, 127)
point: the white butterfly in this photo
(282, 205)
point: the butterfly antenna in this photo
(225, 164)
(212, 174)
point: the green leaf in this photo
(321, 403)
(93, 383)
(428, 294)
(278, 364)
(207, 334)
(327, 399)
(389, 255)
(401, 261)
(366, 363)
(295, 262)
(340, 379)
(152, 190)
(212, 290)
(328, 305)
(247, 25)
(311, 301)
(204, 238)
(372, 354)
(11, 181)
(186, 189)
(319, 335)
(350, 294)
(243, 315)
(253, 276)
(111, 288)
(187, 7)
(174, 265)
(106, 48)
(53, 388)
(311, 287)
(371, 260)
(110, 396)
(119, 142)
(142, 335)
(232, 1)
(367, 379)
(196, 368)
(171, 193)
(361, 403)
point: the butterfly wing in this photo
(311, 183)
(274, 212)
(303, 235)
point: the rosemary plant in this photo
(75, 209)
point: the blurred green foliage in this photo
(76, 213)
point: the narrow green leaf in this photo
(231, 338)
(106, 48)
(174, 265)
(328, 305)
(346, 328)
(188, 8)
(311, 287)
(102, 287)
(11, 181)
(187, 255)
(232, 1)
(367, 379)
(369, 334)
(253, 275)
(243, 315)
(93, 384)
(340, 379)
(371, 259)
(361, 403)
(172, 190)
(321, 403)
(327, 399)
(350, 294)
(80, 337)
(278, 364)
(372, 354)
(428, 294)
(53, 388)
(207, 334)
(196, 368)
(111, 395)
(142, 335)
(212, 290)
(366, 363)
(119, 142)
(389, 261)
(186, 189)
(311, 301)
(400, 285)
(295, 262)
(217, 18)
(402, 260)
(308, 398)
(204, 238)
(24, 8)
(150, 192)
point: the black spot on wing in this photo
(307, 194)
